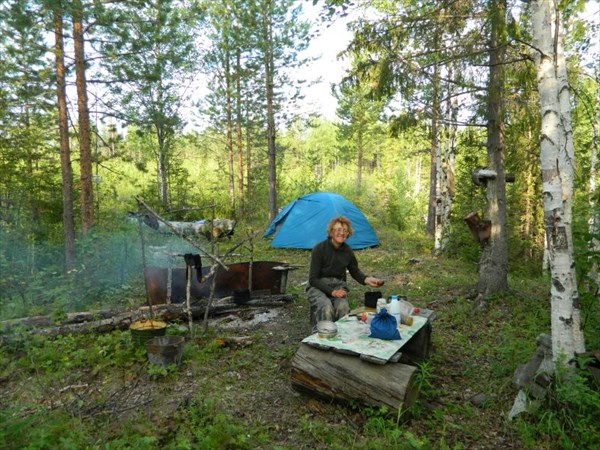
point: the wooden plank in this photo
(347, 378)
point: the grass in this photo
(98, 391)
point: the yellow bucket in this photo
(142, 330)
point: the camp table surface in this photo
(353, 337)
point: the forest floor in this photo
(466, 390)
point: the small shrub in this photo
(569, 417)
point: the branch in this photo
(181, 235)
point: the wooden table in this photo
(356, 368)
(353, 338)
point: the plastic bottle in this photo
(406, 309)
(394, 309)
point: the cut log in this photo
(346, 378)
(49, 321)
(105, 321)
(220, 306)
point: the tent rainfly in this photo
(303, 222)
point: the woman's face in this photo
(339, 233)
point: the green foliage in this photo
(423, 378)
(569, 415)
(586, 236)
(42, 430)
(203, 426)
(470, 352)
(461, 244)
(109, 269)
(163, 373)
(382, 431)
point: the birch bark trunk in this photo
(557, 160)
(446, 167)
(432, 213)
(238, 129)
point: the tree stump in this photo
(346, 378)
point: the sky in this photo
(324, 48)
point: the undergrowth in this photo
(88, 391)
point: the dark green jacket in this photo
(326, 261)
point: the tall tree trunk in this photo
(417, 176)
(526, 230)
(248, 158)
(435, 151)
(229, 129)
(360, 153)
(493, 265)
(269, 87)
(446, 167)
(65, 152)
(239, 135)
(594, 220)
(85, 142)
(557, 160)
(161, 167)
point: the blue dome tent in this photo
(303, 222)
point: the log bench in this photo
(345, 374)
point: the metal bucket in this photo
(142, 330)
(165, 350)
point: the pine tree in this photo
(149, 61)
(63, 128)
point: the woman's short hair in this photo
(344, 221)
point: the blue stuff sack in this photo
(384, 326)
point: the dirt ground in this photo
(252, 384)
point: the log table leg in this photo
(346, 378)
(418, 347)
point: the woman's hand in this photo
(373, 282)
(339, 293)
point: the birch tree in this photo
(557, 166)
(446, 163)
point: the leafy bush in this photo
(204, 427)
(569, 416)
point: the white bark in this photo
(557, 157)
(446, 163)
(439, 200)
